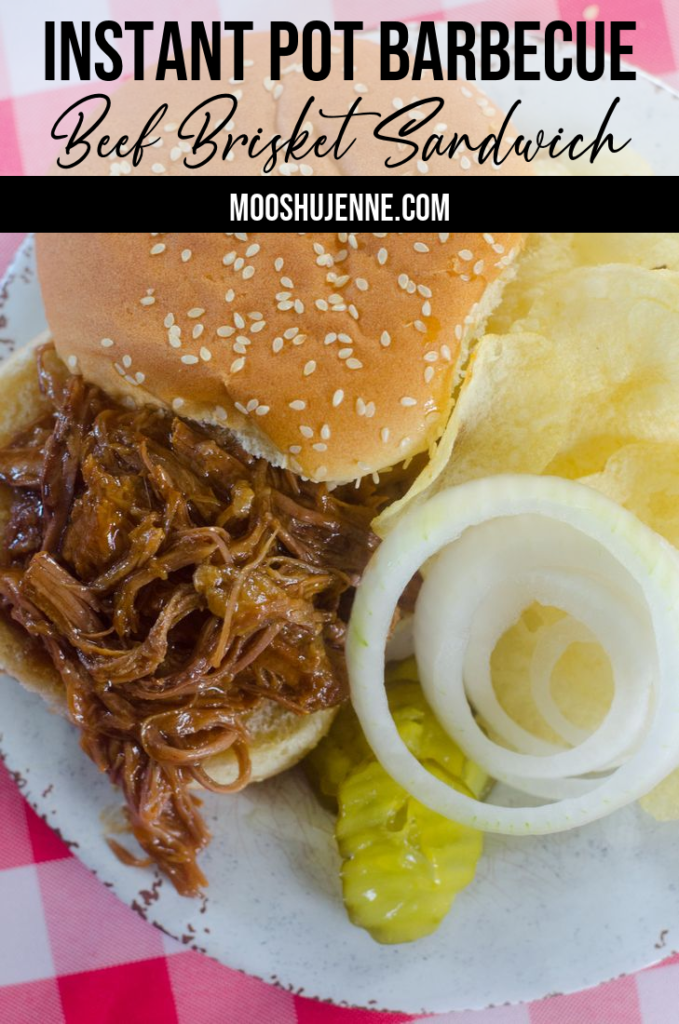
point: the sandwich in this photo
(191, 460)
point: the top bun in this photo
(275, 108)
(332, 354)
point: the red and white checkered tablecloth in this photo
(59, 966)
(29, 105)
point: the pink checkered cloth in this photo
(57, 968)
(29, 106)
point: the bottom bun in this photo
(279, 738)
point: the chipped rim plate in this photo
(544, 915)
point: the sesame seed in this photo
(426, 308)
(362, 284)
(370, 410)
(72, 362)
(384, 434)
(252, 405)
(325, 432)
(306, 431)
(205, 354)
(309, 368)
(419, 326)
(297, 405)
(169, 320)
(360, 87)
(466, 254)
(118, 368)
(174, 340)
(177, 403)
(239, 321)
(252, 250)
(195, 312)
(344, 353)
(230, 295)
(248, 273)
(329, 338)
(140, 377)
(424, 291)
(321, 472)
(403, 280)
(321, 304)
(240, 348)
(423, 168)
(287, 282)
(148, 300)
(443, 237)
(225, 331)
(239, 264)
(385, 339)
(278, 91)
(382, 256)
(158, 168)
(186, 254)
(258, 326)
(295, 449)
(346, 338)
(354, 364)
(421, 247)
(320, 447)
(397, 102)
(220, 412)
(157, 249)
(431, 357)
(106, 342)
(445, 353)
(306, 169)
(360, 407)
(428, 374)
(406, 401)
(189, 360)
(277, 344)
(278, 264)
(241, 408)
(478, 267)
(237, 365)
(262, 410)
(127, 362)
(338, 397)
(441, 127)
(291, 332)
(229, 258)
(197, 330)
(299, 306)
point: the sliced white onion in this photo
(551, 645)
(510, 541)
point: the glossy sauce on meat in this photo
(176, 582)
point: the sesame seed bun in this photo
(275, 107)
(333, 355)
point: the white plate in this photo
(648, 111)
(544, 915)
